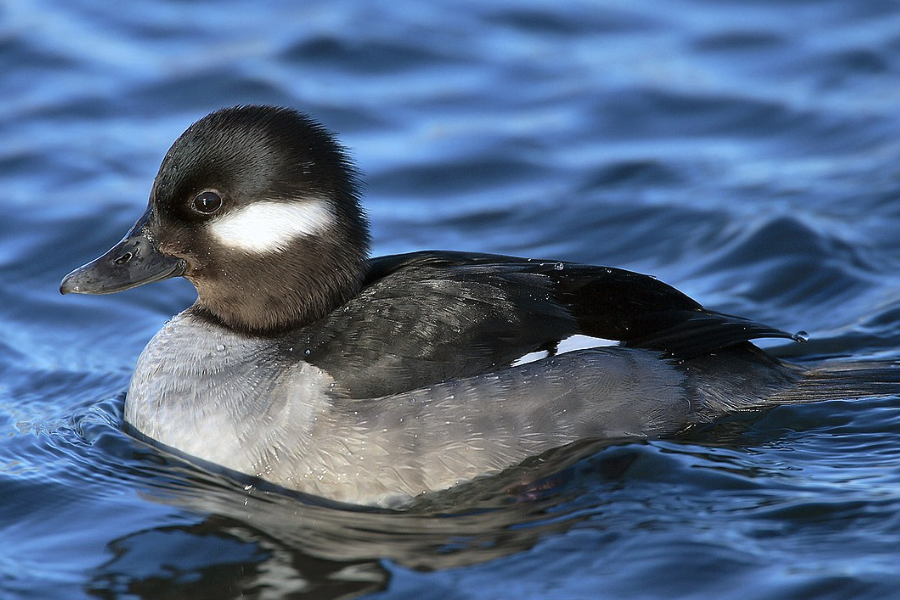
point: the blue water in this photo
(747, 152)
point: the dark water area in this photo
(747, 152)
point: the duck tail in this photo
(845, 381)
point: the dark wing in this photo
(609, 303)
(643, 312)
(430, 316)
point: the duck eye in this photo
(207, 203)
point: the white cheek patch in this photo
(570, 344)
(269, 226)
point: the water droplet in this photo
(800, 336)
(307, 352)
(559, 266)
(220, 348)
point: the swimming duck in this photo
(309, 365)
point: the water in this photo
(745, 151)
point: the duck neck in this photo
(275, 294)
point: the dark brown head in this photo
(257, 206)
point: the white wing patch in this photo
(269, 226)
(580, 342)
(570, 344)
(530, 357)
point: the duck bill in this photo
(132, 262)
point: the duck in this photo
(311, 366)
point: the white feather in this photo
(580, 342)
(530, 357)
(570, 344)
(268, 226)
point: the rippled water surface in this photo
(746, 152)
